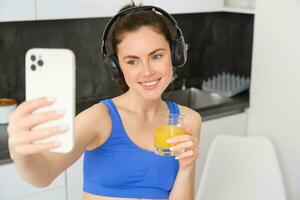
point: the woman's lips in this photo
(150, 85)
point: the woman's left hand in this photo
(190, 145)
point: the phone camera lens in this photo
(33, 57)
(40, 63)
(33, 67)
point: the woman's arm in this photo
(184, 185)
(33, 162)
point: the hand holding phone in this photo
(51, 73)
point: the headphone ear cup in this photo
(112, 66)
(179, 52)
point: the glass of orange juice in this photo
(166, 127)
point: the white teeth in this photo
(150, 83)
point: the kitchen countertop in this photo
(238, 104)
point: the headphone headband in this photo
(177, 45)
(133, 10)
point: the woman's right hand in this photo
(23, 141)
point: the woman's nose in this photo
(147, 68)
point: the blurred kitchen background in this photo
(217, 41)
(255, 39)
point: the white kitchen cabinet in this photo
(74, 180)
(230, 125)
(67, 9)
(51, 194)
(15, 10)
(12, 186)
(240, 6)
(190, 6)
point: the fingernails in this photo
(169, 141)
(59, 112)
(63, 128)
(57, 144)
(172, 148)
(177, 157)
(51, 99)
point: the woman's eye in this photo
(157, 56)
(132, 62)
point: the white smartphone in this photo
(51, 73)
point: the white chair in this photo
(241, 168)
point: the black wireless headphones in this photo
(178, 45)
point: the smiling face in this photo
(145, 60)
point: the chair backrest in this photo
(241, 168)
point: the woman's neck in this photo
(141, 106)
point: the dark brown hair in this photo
(132, 22)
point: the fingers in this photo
(183, 155)
(38, 135)
(185, 142)
(29, 149)
(29, 106)
(36, 119)
(30, 142)
(183, 145)
(20, 120)
(188, 154)
(23, 139)
(188, 130)
(182, 138)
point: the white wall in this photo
(275, 88)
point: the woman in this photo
(117, 135)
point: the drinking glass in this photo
(166, 127)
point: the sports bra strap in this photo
(114, 114)
(173, 107)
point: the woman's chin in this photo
(152, 96)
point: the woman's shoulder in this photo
(98, 110)
(192, 119)
(190, 113)
(95, 114)
(95, 120)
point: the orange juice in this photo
(162, 134)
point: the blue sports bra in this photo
(120, 168)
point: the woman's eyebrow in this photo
(151, 53)
(156, 50)
(130, 56)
